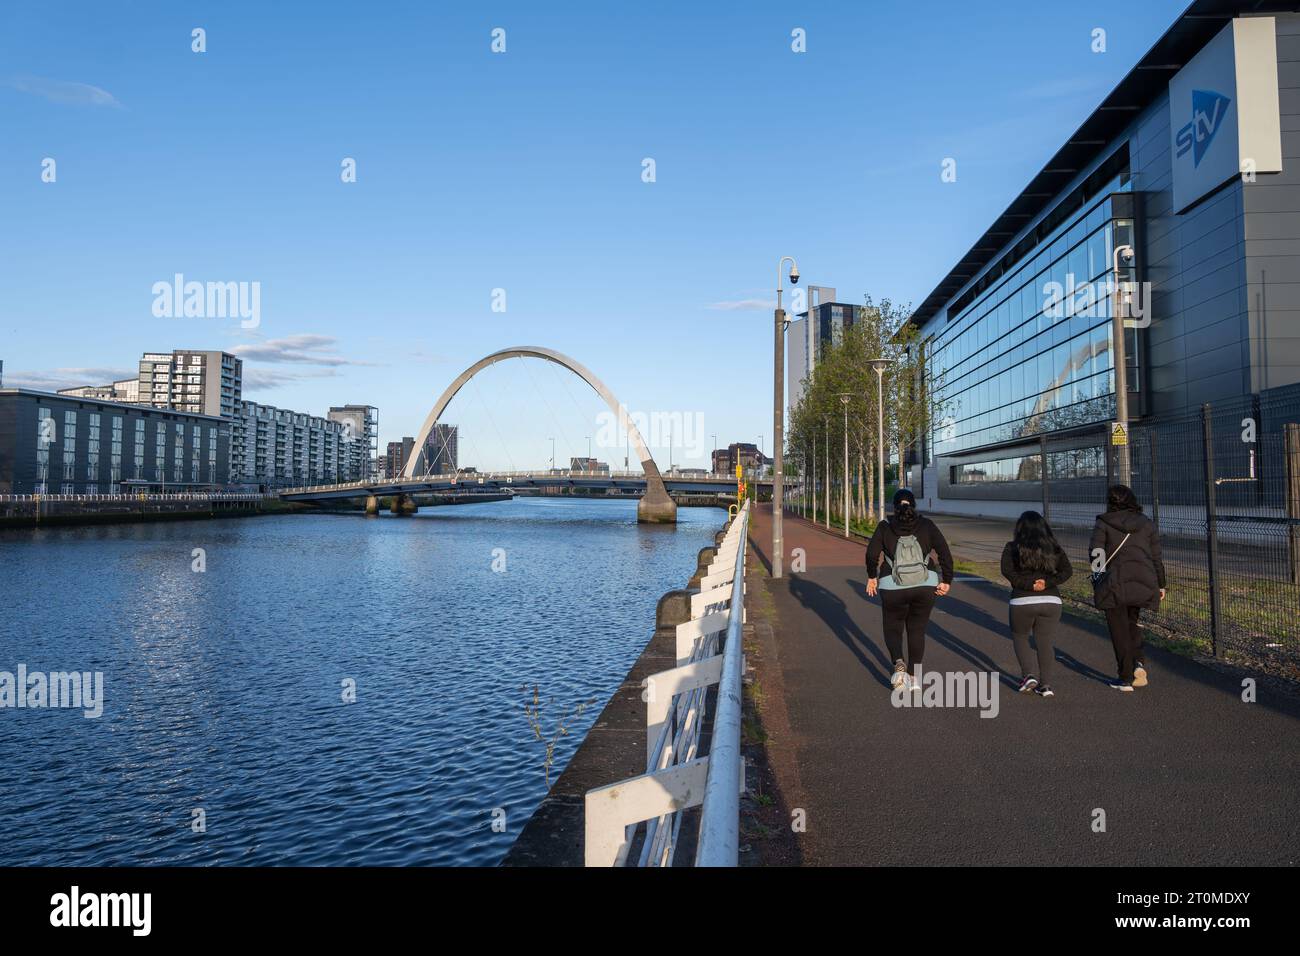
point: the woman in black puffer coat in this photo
(1125, 546)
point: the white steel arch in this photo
(549, 355)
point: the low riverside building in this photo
(73, 445)
(279, 448)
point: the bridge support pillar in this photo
(372, 505)
(404, 505)
(656, 506)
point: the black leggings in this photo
(1041, 620)
(1126, 636)
(906, 608)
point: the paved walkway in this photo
(1185, 771)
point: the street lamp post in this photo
(814, 476)
(778, 414)
(844, 400)
(1119, 353)
(880, 364)
(552, 454)
(828, 474)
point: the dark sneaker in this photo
(1042, 690)
(1122, 685)
(1028, 684)
(1140, 676)
(900, 675)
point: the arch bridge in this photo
(655, 506)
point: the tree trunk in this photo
(861, 501)
(871, 480)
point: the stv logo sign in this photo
(1208, 111)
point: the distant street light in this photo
(778, 415)
(880, 364)
(844, 400)
(828, 473)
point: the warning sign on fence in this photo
(1118, 434)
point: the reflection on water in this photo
(223, 689)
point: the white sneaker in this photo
(901, 678)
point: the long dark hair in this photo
(1121, 498)
(1036, 546)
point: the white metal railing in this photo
(709, 651)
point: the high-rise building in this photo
(397, 454)
(360, 422)
(202, 382)
(441, 451)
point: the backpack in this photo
(909, 565)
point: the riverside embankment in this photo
(615, 747)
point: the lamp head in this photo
(794, 274)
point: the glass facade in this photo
(1032, 352)
(1077, 463)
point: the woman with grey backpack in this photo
(901, 546)
(1127, 576)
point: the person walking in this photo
(1036, 565)
(906, 541)
(1128, 575)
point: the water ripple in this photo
(223, 689)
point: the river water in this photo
(226, 737)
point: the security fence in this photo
(1222, 484)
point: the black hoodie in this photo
(928, 535)
(1137, 573)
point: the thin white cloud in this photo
(51, 380)
(742, 305)
(298, 349)
(64, 91)
(265, 379)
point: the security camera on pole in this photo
(778, 416)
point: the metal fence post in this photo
(1042, 466)
(1155, 478)
(1291, 437)
(1211, 527)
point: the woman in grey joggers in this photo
(1036, 566)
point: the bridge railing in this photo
(478, 478)
(709, 651)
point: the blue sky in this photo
(519, 171)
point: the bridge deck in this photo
(499, 481)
